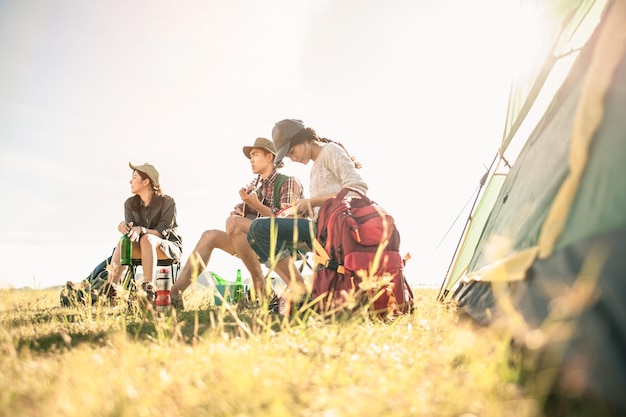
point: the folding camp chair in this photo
(129, 279)
(302, 255)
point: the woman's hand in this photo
(303, 206)
(124, 228)
(135, 233)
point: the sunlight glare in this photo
(527, 35)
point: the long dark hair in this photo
(308, 135)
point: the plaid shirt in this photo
(290, 191)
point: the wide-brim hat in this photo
(260, 143)
(147, 169)
(282, 133)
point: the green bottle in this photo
(218, 280)
(239, 291)
(126, 251)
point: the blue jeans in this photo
(260, 236)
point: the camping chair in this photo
(302, 255)
(128, 280)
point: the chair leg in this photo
(175, 271)
(305, 261)
(128, 280)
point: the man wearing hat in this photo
(265, 197)
(150, 222)
(332, 169)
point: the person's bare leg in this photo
(115, 269)
(152, 255)
(289, 273)
(296, 287)
(237, 229)
(199, 258)
(148, 252)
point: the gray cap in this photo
(282, 133)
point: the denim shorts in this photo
(260, 235)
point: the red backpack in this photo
(357, 255)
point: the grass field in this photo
(209, 361)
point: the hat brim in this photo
(248, 149)
(154, 180)
(281, 153)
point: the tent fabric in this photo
(564, 24)
(587, 334)
(474, 230)
(589, 116)
(528, 194)
(551, 254)
(567, 26)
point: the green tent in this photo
(544, 252)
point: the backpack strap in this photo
(320, 256)
(344, 191)
(280, 180)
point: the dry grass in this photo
(208, 361)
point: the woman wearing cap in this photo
(274, 192)
(333, 169)
(150, 222)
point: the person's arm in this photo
(291, 192)
(167, 222)
(126, 227)
(238, 210)
(128, 211)
(305, 206)
(345, 170)
(253, 204)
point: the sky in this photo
(416, 90)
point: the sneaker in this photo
(148, 289)
(273, 305)
(246, 303)
(292, 307)
(108, 291)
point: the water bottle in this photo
(126, 250)
(163, 300)
(238, 291)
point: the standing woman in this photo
(150, 223)
(333, 169)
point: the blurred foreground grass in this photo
(207, 361)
